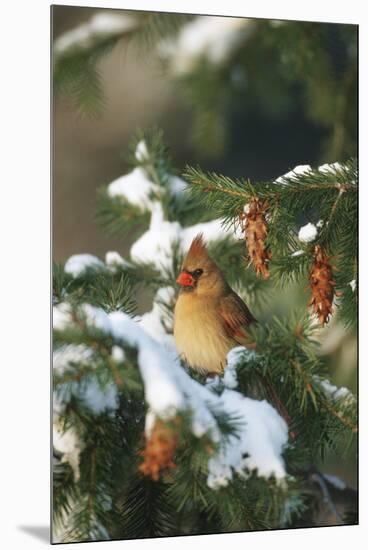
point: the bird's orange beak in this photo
(185, 279)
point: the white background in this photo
(25, 269)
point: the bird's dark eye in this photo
(197, 273)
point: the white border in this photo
(25, 255)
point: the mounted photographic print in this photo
(205, 274)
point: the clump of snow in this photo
(73, 353)
(79, 263)
(149, 422)
(230, 378)
(320, 223)
(213, 382)
(156, 244)
(353, 285)
(68, 443)
(162, 393)
(61, 316)
(135, 188)
(333, 391)
(307, 233)
(93, 396)
(158, 322)
(297, 253)
(99, 399)
(234, 357)
(141, 151)
(176, 185)
(165, 294)
(337, 482)
(113, 260)
(118, 354)
(330, 168)
(301, 169)
(100, 25)
(258, 446)
(155, 321)
(211, 37)
(96, 317)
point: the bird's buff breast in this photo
(199, 334)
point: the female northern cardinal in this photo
(210, 318)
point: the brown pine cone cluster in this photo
(322, 285)
(254, 225)
(159, 450)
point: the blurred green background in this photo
(250, 98)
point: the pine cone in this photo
(322, 285)
(255, 227)
(159, 451)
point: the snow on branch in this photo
(260, 433)
(113, 260)
(102, 25)
(298, 170)
(69, 445)
(157, 322)
(94, 397)
(155, 246)
(307, 233)
(330, 168)
(352, 285)
(136, 188)
(257, 446)
(212, 38)
(333, 392)
(234, 357)
(78, 264)
(89, 392)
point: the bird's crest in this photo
(197, 248)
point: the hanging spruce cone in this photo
(255, 227)
(322, 285)
(159, 450)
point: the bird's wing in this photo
(236, 317)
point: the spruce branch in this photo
(77, 53)
(347, 422)
(99, 348)
(330, 195)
